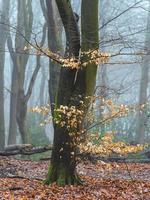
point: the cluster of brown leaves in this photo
(43, 110)
(106, 146)
(89, 57)
(70, 117)
(94, 57)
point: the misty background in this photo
(124, 29)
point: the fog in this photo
(124, 28)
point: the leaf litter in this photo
(23, 180)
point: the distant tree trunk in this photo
(42, 100)
(141, 116)
(24, 28)
(25, 21)
(13, 106)
(102, 92)
(102, 82)
(73, 83)
(54, 44)
(4, 17)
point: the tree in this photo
(141, 115)
(54, 44)
(74, 86)
(20, 98)
(3, 37)
(17, 104)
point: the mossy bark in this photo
(90, 39)
(62, 175)
(62, 168)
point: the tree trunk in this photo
(13, 108)
(3, 36)
(102, 92)
(25, 21)
(42, 100)
(19, 98)
(72, 84)
(54, 44)
(90, 35)
(141, 116)
(62, 169)
(21, 116)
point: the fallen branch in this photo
(25, 149)
(14, 147)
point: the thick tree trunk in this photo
(72, 84)
(62, 169)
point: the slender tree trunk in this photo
(21, 115)
(13, 107)
(25, 21)
(102, 91)
(3, 36)
(19, 98)
(42, 88)
(54, 44)
(90, 35)
(141, 116)
(102, 79)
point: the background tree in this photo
(4, 17)
(143, 94)
(54, 44)
(20, 97)
(24, 27)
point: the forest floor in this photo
(22, 180)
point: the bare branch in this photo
(36, 70)
(123, 12)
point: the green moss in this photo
(90, 78)
(62, 176)
(51, 176)
(90, 39)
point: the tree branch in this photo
(38, 65)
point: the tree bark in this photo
(141, 115)
(3, 37)
(19, 98)
(62, 168)
(72, 84)
(54, 44)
